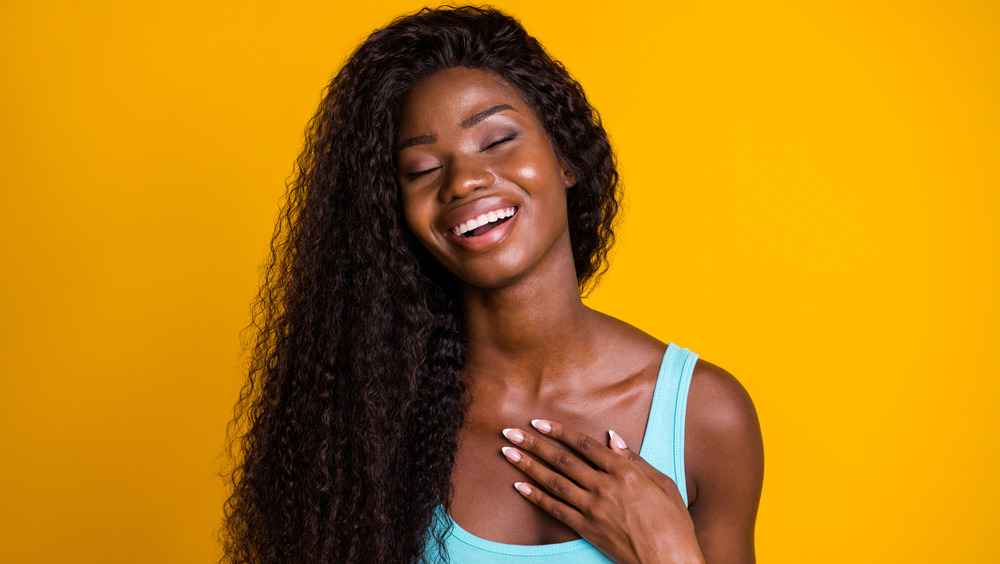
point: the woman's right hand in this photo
(612, 497)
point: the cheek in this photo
(411, 213)
(527, 172)
(417, 218)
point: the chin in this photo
(511, 265)
(493, 271)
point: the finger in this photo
(594, 451)
(560, 459)
(568, 515)
(554, 482)
(619, 446)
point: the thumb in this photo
(619, 446)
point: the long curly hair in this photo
(344, 435)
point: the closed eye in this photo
(419, 173)
(500, 141)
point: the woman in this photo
(426, 383)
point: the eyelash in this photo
(419, 173)
(501, 141)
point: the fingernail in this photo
(511, 454)
(616, 440)
(542, 426)
(523, 488)
(513, 435)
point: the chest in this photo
(484, 501)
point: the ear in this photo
(568, 178)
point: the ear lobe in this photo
(569, 179)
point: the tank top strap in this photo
(663, 443)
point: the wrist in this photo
(673, 555)
(697, 558)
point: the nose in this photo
(466, 175)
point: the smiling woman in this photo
(481, 179)
(427, 383)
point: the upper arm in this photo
(724, 463)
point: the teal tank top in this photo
(662, 446)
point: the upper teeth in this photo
(479, 221)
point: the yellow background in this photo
(812, 203)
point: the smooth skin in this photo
(468, 142)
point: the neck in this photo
(532, 332)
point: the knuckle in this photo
(630, 476)
(554, 484)
(558, 431)
(557, 511)
(609, 492)
(619, 467)
(597, 514)
(530, 442)
(562, 459)
(603, 491)
(585, 444)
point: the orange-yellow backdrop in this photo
(812, 202)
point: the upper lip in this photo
(474, 209)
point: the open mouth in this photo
(483, 223)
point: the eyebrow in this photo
(478, 117)
(471, 121)
(418, 140)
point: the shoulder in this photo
(719, 406)
(722, 433)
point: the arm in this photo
(724, 461)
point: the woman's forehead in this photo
(453, 96)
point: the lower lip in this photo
(487, 240)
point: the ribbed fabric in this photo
(662, 446)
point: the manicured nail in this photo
(513, 435)
(617, 440)
(541, 425)
(511, 454)
(523, 488)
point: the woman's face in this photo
(481, 186)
